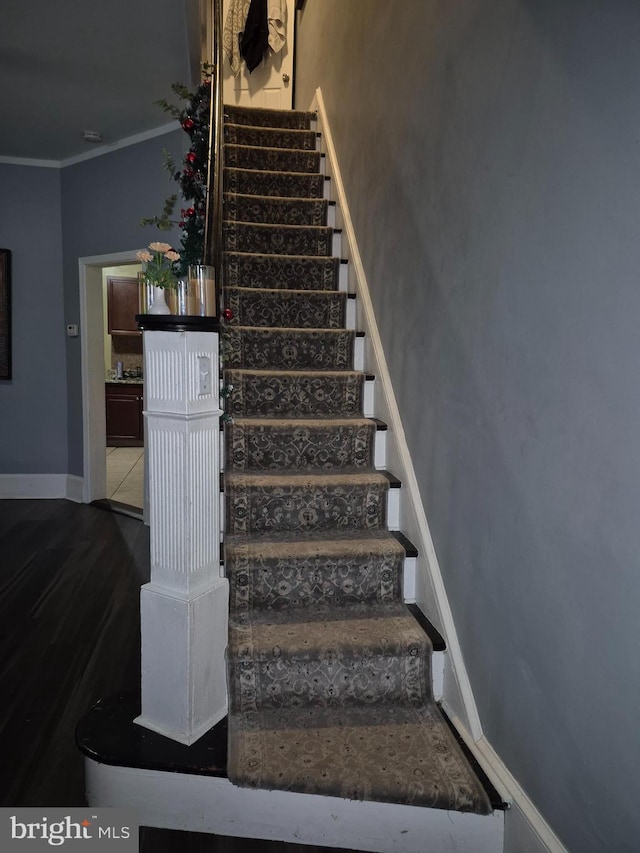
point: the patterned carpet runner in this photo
(329, 674)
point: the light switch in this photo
(204, 375)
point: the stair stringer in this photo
(524, 824)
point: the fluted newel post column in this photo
(184, 608)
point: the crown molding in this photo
(27, 161)
(99, 151)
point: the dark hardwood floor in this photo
(70, 578)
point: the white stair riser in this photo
(358, 353)
(209, 804)
(380, 450)
(437, 674)
(343, 278)
(350, 318)
(369, 398)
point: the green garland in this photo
(193, 116)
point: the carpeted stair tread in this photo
(272, 137)
(328, 657)
(338, 543)
(314, 479)
(310, 570)
(304, 309)
(265, 117)
(277, 501)
(297, 393)
(357, 629)
(282, 184)
(299, 272)
(261, 238)
(271, 159)
(404, 755)
(288, 349)
(275, 210)
(296, 443)
(312, 543)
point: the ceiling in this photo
(76, 65)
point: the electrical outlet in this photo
(72, 330)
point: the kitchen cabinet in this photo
(122, 306)
(125, 423)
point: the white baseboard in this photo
(526, 830)
(75, 487)
(17, 486)
(40, 487)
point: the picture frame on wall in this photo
(5, 314)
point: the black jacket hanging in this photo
(254, 41)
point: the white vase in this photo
(159, 305)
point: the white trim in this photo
(180, 737)
(92, 370)
(27, 161)
(98, 151)
(38, 486)
(209, 804)
(431, 594)
(121, 143)
(522, 810)
(75, 488)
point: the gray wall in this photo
(33, 415)
(50, 218)
(492, 161)
(103, 201)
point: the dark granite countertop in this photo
(138, 380)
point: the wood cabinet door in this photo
(124, 415)
(122, 306)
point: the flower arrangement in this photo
(194, 118)
(159, 264)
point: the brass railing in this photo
(213, 215)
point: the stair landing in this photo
(172, 786)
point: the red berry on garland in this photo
(190, 211)
(227, 314)
(191, 157)
(188, 124)
(180, 224)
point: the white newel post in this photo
(184, 607)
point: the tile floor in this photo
(125, 475)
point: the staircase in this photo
(332, 736)
(329, 674)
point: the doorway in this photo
(270, 85)
(95, 364)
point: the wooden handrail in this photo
(213, 215)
